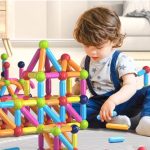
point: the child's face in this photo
(98, 53)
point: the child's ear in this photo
(113, 44)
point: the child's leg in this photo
(140, 102)
(93, 109)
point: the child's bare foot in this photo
(143, 127)
(121, 119)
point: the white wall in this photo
(29, 19)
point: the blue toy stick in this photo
(116, 139)
(113, 115)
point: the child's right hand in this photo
(106, 110)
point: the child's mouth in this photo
(94, 58)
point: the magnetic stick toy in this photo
(49, 116)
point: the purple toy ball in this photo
(21, 64)
(83, 99)
(75, 129)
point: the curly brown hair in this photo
(98, 25)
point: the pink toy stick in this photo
(56, 143)
(48, 86)
(73, 113)
(41, 141)
(20, 72)
(32, 84)
(16, 91)
(52, 75)
(29, 116)
(13, 79)
(47, 65)
(6, 74)
(83, 87)
(33, 61)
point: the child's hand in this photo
(106, 110)
(76, 88)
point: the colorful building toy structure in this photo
(51, 117)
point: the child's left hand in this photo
(106, 110)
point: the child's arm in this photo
(124, 94)
(127, 91)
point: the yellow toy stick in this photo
(29, 130)
(69, 85)
(74, 99)
(117, 126)
(30, 103)
(32, 75)
(26, 87)
(74, 140)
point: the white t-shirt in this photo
(99, 72)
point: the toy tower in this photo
(49, 116)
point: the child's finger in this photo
(104, 115)
(101, 115)
(108, 116)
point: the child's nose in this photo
(94, 52)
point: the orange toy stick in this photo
(2, 83)
(7, 120)
(10, 90)
(67, 137)
(73, 74)
(66, 129)
(74, 65)
(6, 132)
(16, 83)
(69, 68)
(49, 140)
(52, 102)
(64, 65)
(42, 59)
(117, 126)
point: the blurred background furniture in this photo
(3, 27)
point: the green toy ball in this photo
(40, 102)
(83, 74)
(40, 76)
(40, 128)
(14, 96)
(22, 81)
(84, 124)
(4, 56)
(7, 82)
(18, 104)
(43, 44)
(56, 131)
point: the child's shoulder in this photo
(124, 57)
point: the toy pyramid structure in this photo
(51, 117)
